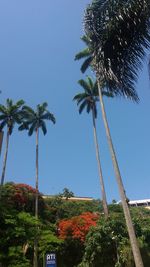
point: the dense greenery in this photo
(116, 37)
(76, 230)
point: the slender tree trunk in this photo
(104, 201)
(36, 198)
(1, 140)
(37, 173)
(5, 157)
(131, 231)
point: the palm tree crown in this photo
(86, 54)
(89, 97)
(119, 33)
(88, 100)
(34, 120)
(10, 114)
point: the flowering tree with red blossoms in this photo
(21, 197)
(77, 227)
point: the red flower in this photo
(78, 226)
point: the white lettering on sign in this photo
(50, 256)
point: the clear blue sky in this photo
(38, 42)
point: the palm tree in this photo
(9, 116)
(1, 140)
(33, 121)
(88, 100)
(118, 32)
(86, 54)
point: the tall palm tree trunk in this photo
(104, 200)
(36, 198)
(5, 157)
(131, 231)
(1, 140)
(37, 173)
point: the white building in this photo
(141, 202)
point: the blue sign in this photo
(51, 259)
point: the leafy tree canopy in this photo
(117, 33)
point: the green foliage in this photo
(67, 193)
(87, 100)
(17, 258)
(109, 237)
(118, 32)
(17, 230)
(58, 208)
(33, 120)
(21, 197)
(99, 244)
(10, 114)
(71, 253)
(48, 241)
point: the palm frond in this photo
(23, 126)
(82, 54)
(28, 110)
(119, 33)
(3, 109)
(95, 89)
(32, 120)
(48, 116)
(88, 107)
(32, 128)
(10, 114)
(108, 94)
(86, 40)
(3, 117)
(9, 103)
(18, 118)
(85, 85)
(88, 98)
(82, 106)
(86, 64)
(43, 127)
(80, 97)
(20, 103)
(90, 82)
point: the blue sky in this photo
(39, 40)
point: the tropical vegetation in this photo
(10, 114)
(33, 121)
(83, 234)
(80, 237)
(88, 100)
(116, 33)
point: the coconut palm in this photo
(33, 122)
(10, 114)
(119, 33)
(87, 100)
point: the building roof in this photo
(71, 198)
